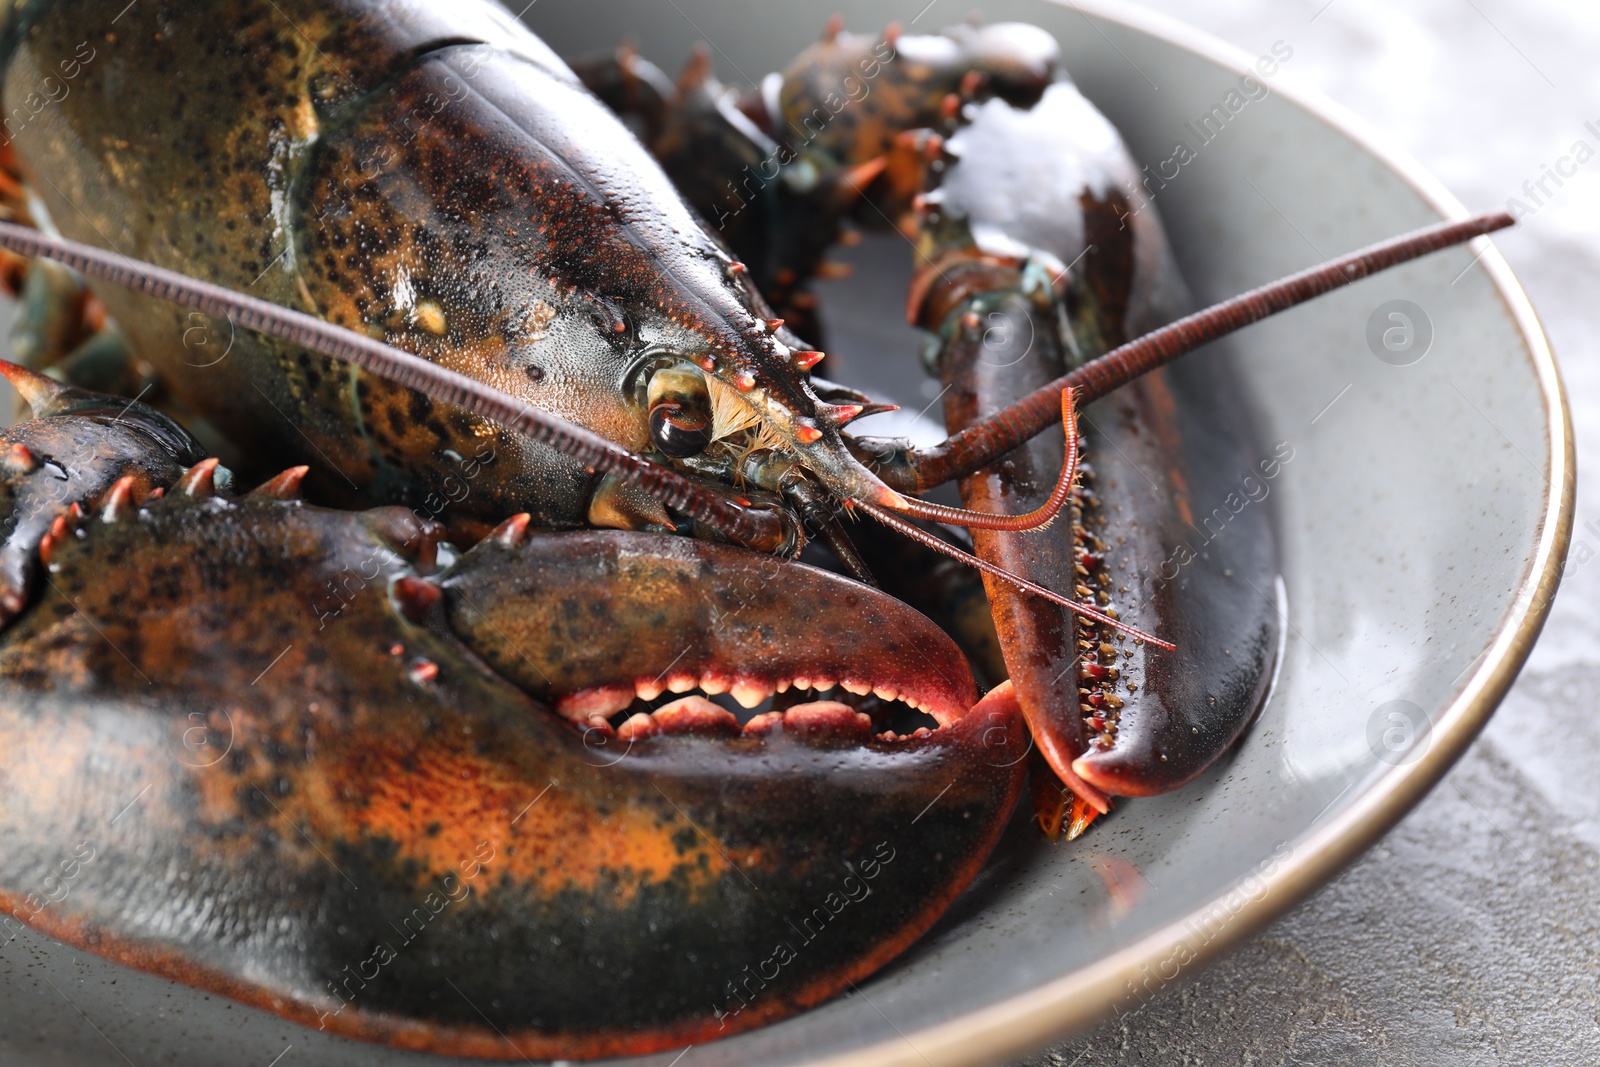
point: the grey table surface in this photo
(1471, 933)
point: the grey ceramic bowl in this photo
(1423, 519)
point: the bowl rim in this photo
(1028, 1021)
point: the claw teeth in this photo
(512, 532)
(695, 715)
(592, 707)
(713, 684)
(764, 723)
(286, 486)
(885, 692)
(637, 726)
(826, 717)
(118, 501)
(648, 691)
(750, 692)
(783, 686)
(860, 689)
(200, 480)
(680, 683)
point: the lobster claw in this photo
(301, 782)
(1167, 529)
(1189, 558)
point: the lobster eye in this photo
(680, 411)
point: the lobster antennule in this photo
(1039, 517)
(386, 361)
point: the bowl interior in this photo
(1412, 517)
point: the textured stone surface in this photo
(1471, 934)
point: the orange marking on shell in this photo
(200, 480)
(512, 532)
(118, 501)
(21, 460)
(285, 486)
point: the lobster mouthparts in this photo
(283, 764)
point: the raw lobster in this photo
(325, 762)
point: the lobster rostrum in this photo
(438, 260)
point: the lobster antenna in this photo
(1051, 507)
(1137, 358)
(451, 387)
(894, 522)
(989, 438)
(385, 361)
